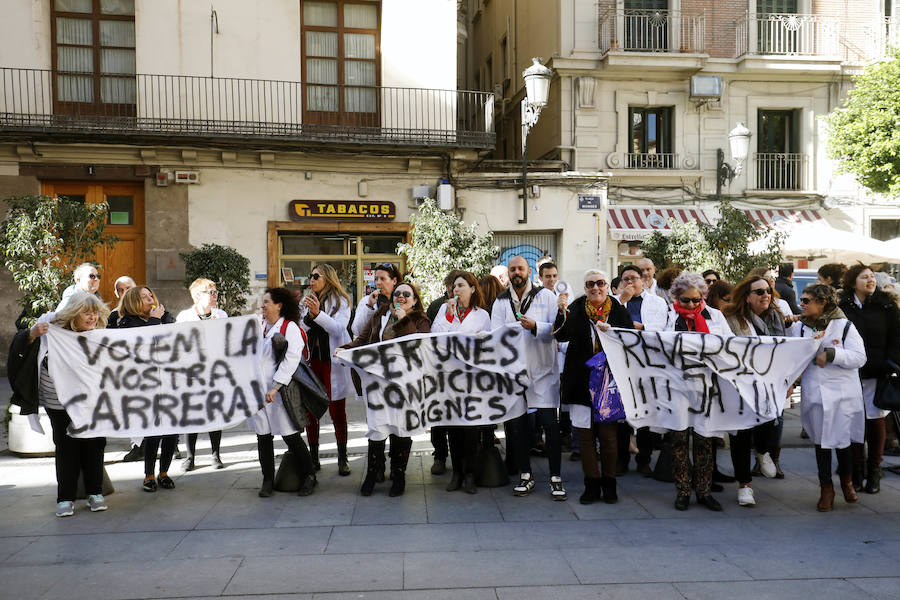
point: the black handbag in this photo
(887, 391)
(313, 395)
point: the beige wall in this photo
(25, 34)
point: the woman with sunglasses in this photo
(752, 312)
(464, 312)
(139, 307)
(832, 408)
(579, 323)
(405, 317)
(877, 318)
(691, 313)
(386, 278)
(325, 323)
(205, 296)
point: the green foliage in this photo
(43, 239)
(865, 132)
(724, 247)
(440, 243)
(224, 265)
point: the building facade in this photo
(648, 91)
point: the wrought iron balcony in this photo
(644, 160)
(883, 36)
(780, 171)
(787, 34)
(154, 108)
(667, 31)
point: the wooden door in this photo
(125, 220)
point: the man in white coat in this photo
(650, 313)
(534, 309)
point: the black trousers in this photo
(265, 446)
(166, 446)
(762, 437)
(215, 440)
(74, 456)
(646, 440)
(823, 462)
(519, 440)
(439, 442)
(463, 448)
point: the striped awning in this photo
(636, 223)
(783, 218)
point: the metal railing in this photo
(43, 101)
(882, 36)
(635, 30)
(643, 160)
(788, 34)
(780, 171)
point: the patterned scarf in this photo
(598, 314)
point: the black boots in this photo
(592, 491)
(266, 450)
(343, 463)
(400, 447)
(314, 454)
(608, 485)
(873, 481)
(374, 467)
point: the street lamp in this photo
(739, 140)
(537, 89)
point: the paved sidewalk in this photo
(212, 536)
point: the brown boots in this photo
(848, 489)
(826, 498)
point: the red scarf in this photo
(693, 317)
(461, 315)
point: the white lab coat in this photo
(333, 318)
(832, 410)
(273, 418)
(189, 314)
(542, 359)
(654, 311)
(363, 316)
(476, 321)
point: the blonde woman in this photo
(325, 323)
(205, 295)
(82, 311)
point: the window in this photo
(646, 24)
(341, 49)
(776, 6)
(779, 164)
(885, 229)
(651, 138)
(93, 56)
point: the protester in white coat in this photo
(280, 314)
(387, 276)
(534, 309)
(832, 410)
(325, 323)
(464, 313)
(205, 295)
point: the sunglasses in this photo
(805, 300)
(211, 292)
(595, 282)
(93, 276)
(710, 281)
(314, 276)
(690, 300)
(403, 295)
(766, 292)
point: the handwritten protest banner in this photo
(178, 378)
(427, 380)
(675, 380)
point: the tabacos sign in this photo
(351, 210)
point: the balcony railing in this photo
(780, 171)
(651, 31)
(788, 34)
(663, 160)
(44, 102)
(884, 35)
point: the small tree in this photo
(43, 239)
(441, 242)
(685, 246)
(224, 265)
(863, 136)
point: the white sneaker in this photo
(65, 509)
(766, 465)
(557, 491)
(745, 496)
(525, 486)
(96, 502)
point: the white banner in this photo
(428, 380)
(674, 380)
(178, 378)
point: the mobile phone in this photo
(520, 315)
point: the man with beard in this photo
(534, 309)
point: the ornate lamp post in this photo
(537, 89)
(739, 140)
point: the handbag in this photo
(310, 392)
(606, 401)
(887, 390)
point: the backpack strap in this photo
(846, 329)
(305, 354)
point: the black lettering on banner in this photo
(221, 369)
(71, 402)
(486, 381)
(710, 347)
(703, 394)
(496, 403)
(114, 348)
(250, 339)
(453, 405)
(715, 394)
(136, 351)
(522, 382)
(114, 377)
(103, 411)
(505, 383)
(215, 402)
(194, 372)
(481, 351)
(669, 395)
(511, 350)
(743, 368)
(364, 357)
(633, 395)
(387, 359)
(409, 349)
(642, 391)
(773, 347)
(645, 346)
(429, 385)
(433, 412)
(441, 348)
(165, 404)
(672, 352)
(393, 395)
(259, 394)
(451, 381)
(187, 408)
(628, 345)
(150, 377)
(92, 358)
(239, 401)
(189, 342)
(137, 406)
(131, 380)
(157, 347)
(461, 349)
(473, 403)
(414, 392)
(412, 420)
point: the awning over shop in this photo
(636, 223)
(782, 218)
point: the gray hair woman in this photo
(83, 311)
(690, 313)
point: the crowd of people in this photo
(855, 317)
